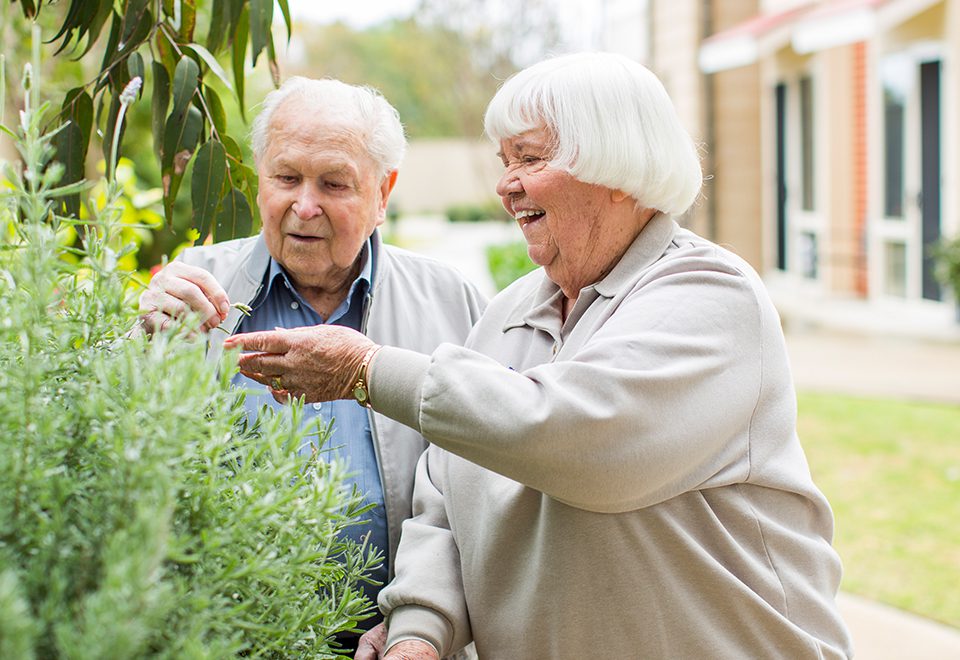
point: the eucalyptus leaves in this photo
(157, 42)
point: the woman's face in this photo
(575, 230)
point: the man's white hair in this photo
(362, 108)
(613, 123)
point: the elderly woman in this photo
(615, 470)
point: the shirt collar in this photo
(538, 309)
(277, 276)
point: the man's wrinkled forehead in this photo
(334, 119)
(298, 124)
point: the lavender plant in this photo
(140, 516)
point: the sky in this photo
(356, 13)
(577, 17)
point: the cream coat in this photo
(643, 492)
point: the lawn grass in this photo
(891, 471)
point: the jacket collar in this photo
(251, 275)
(538, 309)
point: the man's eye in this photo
(335, 185)
(288, 179)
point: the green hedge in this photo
(508, 262)
(490, 210)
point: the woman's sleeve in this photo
(659, 400)
(425, 600)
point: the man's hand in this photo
(317, 362)
(178, 289)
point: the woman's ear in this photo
(618, 196)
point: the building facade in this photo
(831, 131)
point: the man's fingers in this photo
(160, 304)
(178, 296)
(195, 289)
(209, 287)
(153, 322)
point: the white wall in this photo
(439, 173)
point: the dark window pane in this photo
(806, 144)
(893, 111)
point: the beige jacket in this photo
(643, 491)
(415, 302)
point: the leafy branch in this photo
(189, 124)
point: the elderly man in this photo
(327, 155)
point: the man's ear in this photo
(618, 196)
(386, 187)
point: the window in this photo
(895, 270)
(809, 255)
(895, 85)
(806, 144)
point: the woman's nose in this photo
(509, 183)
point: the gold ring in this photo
(277, 384)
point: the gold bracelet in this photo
(361, 391)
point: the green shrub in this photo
(489, 210)
(946, 254)
(508, 262)
(139, 515)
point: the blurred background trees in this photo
(439, 67)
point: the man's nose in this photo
(509, 183)
(307, 204)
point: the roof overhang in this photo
(835, 24)
(807, 29)
(749, 41)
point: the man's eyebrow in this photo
(334, 168)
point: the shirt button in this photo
(317, 406)
(556, 347)
(294, 305)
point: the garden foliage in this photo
(139, 515)
(172, 45)
(508, 262)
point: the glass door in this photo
(911, 180)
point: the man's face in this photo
(320, 195)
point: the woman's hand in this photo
(318, 362)
(411, 650)
(372, 643)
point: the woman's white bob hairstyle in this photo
(360, 109)
(613, 123)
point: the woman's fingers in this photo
(271, 341)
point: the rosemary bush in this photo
(139, 515)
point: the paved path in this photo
(854, 358)
(864, 363)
